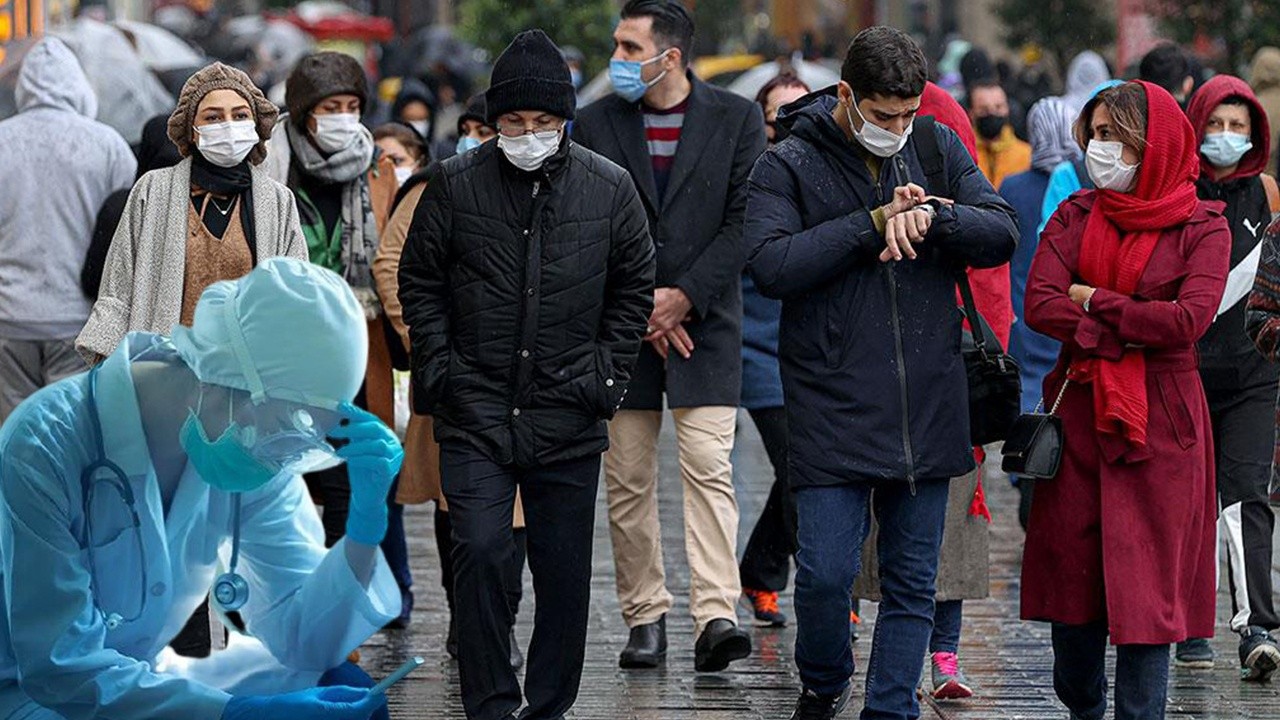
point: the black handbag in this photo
(1034, 446)
(995, 386)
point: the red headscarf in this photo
(1119, 239)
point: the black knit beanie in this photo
(321, 75)
(473, 111)
(531, 74)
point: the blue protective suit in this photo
(306, 609)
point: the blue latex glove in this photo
(373, 456)
(327, 703)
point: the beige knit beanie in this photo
(221, 77)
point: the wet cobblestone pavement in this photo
(1007, 660)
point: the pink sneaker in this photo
(949, 682)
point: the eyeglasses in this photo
(516, 130)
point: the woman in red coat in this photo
(1128, 278)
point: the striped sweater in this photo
(662, 133)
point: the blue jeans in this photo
(396, 550)
(1080, 674)
(946, 627)
(833, 523)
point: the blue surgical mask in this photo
(466, 144)
(626, 77)
(1225, 149)
(225, 463)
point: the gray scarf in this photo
(349, 166)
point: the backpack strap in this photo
(1273, 192)
(1082, 174)
(925, 140)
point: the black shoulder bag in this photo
(995, 387)
(1034, 446)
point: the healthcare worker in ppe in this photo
(128, 492)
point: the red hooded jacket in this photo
(1207, 99)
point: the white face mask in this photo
(227, 144)
(529, 151)
(420, 127)
(1106, 167)
(875, 139)
(335, 132)
(403, 174)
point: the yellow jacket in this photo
(1002, 157)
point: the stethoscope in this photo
(230, 589)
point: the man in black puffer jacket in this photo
(527, 283)
(865, 262)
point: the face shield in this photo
(282, 436)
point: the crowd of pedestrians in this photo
(557, 279)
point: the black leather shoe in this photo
(721, 643)
(647, 647)
(517, 660)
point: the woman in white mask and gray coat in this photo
(212, 217)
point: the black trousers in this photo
(559, 509)
(766, 563)
(515, 571)
(1244, 436)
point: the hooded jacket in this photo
(59, 166)
(1085, 73)
(1265, 78)
(1228, 361)
(875, 386)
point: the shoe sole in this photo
(1194, 664)
(953, 690)
(642, 664)
(734, 648)
(1261, 663)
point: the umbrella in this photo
(128, 92)
(10, 66)
(813, 74)
(160, 49)
(436, 46)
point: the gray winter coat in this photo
(146, 266)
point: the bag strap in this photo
(971, 312)
(930, 155)
(1273, 192)
(1062, 392)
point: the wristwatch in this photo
(929, 208)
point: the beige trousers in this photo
(705, 438)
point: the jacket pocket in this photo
(1178, 409)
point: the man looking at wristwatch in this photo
(841, 227)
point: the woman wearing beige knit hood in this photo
(211, 217)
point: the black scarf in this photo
(231, 182)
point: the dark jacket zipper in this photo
(530, 245)
(902, 361)
(902, 379)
